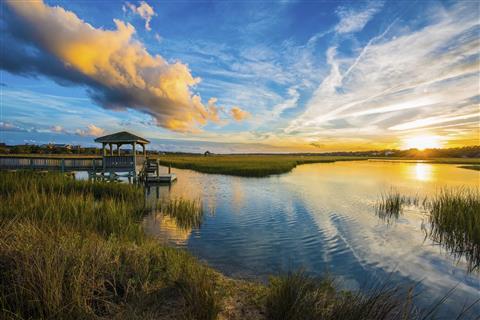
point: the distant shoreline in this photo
(246, 165)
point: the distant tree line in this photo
(463, 152)
(48, 149)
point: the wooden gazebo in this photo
(131, 162)
(122, 138)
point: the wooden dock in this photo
(162, 178)
(109, 168)
(151, 173)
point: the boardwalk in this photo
(51, 164)
(130, 164)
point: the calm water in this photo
(320, 217)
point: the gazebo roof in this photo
(122, 137)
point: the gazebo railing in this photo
(122, 162)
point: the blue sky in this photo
(242, 76)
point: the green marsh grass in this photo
(454, 216)
(391, 204)
(471, 167)
(187, 213)
(246, 165)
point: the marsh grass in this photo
(187, 213)
(391, 204)
(247, 165)
(56, 201)
(471, 167)
(76, 250)
(454, 216)
(297, 295)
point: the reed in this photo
(56, 201)
(300, 296)
(391, 204)
(187, 213)
(297, 296)
(454, 216)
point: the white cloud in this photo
(352, 20)
(144, 10)
(419, 78)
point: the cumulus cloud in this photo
(92, 131)
(352, 20)
(144, 10)
(238, 114)
(116, 68)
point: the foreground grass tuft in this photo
(300, 296)
(454, 216)
(297, 296)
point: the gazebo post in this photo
(104, 152)
(118, 148)
(144, 149)
(134, 162)
(111, 149)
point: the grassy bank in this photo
(76, 250)
(471, 167)
(246, 165)
(472, 161)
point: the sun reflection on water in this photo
(423, 171)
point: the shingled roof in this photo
(122, 137)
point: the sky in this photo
(242, 76)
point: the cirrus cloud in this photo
(116, 68)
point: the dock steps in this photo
(150, 173)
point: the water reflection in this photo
(321, 217)
(166, 229)
(423, 171)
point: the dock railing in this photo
(50, 163)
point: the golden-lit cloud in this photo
(239, 114)
(92, 131)
(116, 68)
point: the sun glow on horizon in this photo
(422, 142)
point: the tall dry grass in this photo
(76, 250)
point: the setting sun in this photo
(422, 142)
